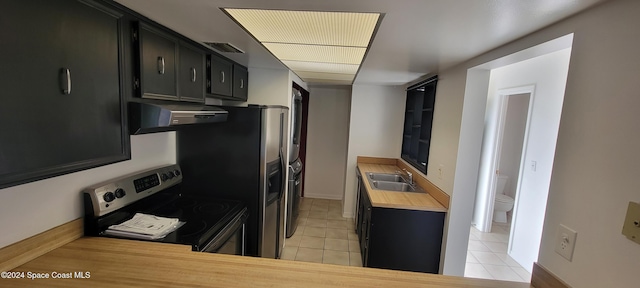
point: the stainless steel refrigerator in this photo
(245, 159)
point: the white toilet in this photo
(503, 203)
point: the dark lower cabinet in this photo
(399, 239)
(62, 106)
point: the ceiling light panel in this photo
(312, 53)
(315, 76)
(308, 27)
(300, 66)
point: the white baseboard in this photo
(322, 196)
(349, 214)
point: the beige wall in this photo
(269, 87)
(35, 207)
(327, 137)
(596, 166)
(375, 129)
(595, 169)
(514, 127)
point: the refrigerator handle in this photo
(283, 162)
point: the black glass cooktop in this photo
(204, 217)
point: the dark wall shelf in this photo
(417, 123)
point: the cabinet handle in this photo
(65, 81)
(193, 74)
(222, 73)
(208, 83)
(161, 65)
(241, 83)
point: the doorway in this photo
(513, 115)
(469, 164)
(488, 253)
(511, 151)
(303, 132)
(521, 146)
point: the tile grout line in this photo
(488, 239)
(328, 208)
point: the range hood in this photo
(148, 118)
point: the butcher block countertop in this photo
(430, 201)
(107, 262)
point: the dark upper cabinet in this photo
(220, 77)
(418, 118)
(156, 69)
(191, 75)
(63, 103)
(240, 82)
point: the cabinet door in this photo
(407, 240)
(365, 227)
(358, 202)
(240, 82)
(63, 106)
(191, 74)
(157, 63)
(220, 77)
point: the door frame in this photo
(502, 97)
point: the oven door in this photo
(231, 239)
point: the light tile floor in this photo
(487, 256)
(323, 235)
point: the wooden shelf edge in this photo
(542, 278)
(33, 247)
(376, 160)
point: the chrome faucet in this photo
(409, 175)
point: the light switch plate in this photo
(565, 241)
(631, 227)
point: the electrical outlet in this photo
(440, 168)
(565, 241)
(631, 227)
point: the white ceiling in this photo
(416, 37)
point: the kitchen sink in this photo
(394, 186)
(385, 177)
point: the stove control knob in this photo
(120, 193)
(177, 172)
(109, 196)
(171, 175)
(164, 177)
